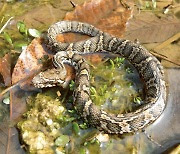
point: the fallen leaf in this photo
(108, 15)
(9, 141)
(148, 28)
(42, 16)
(28, 64)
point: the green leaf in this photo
(129, 84)
(119, 60)
(75, 127)
(154, 4)
(147, 5)
(82, 150)
(112, 64)
(71, 111)
(8, 38)
(128, 70)
(20, 44)
(113, 89)
(22, 27)
(93, 90)
(103, 89)
(34, 33)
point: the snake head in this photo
(50, 78)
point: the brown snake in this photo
(148, 67)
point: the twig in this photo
(73, 4)
(5, 25)
(8, 89)
(164, 58)
(18, 83)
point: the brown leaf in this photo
(44, 15)
(148, 28)
(5, 69)
(28, 64)
(107, 15)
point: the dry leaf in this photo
(108, 15)
(148, 28)
(44, 15)
(28, 64)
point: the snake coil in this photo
(148, 67)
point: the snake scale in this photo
(148, 67)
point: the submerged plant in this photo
(111, 89)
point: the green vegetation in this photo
(110, 88)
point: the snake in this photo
(149, 69)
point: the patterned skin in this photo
(149, 68)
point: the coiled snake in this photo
(148, 67)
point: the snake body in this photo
(148, 67)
